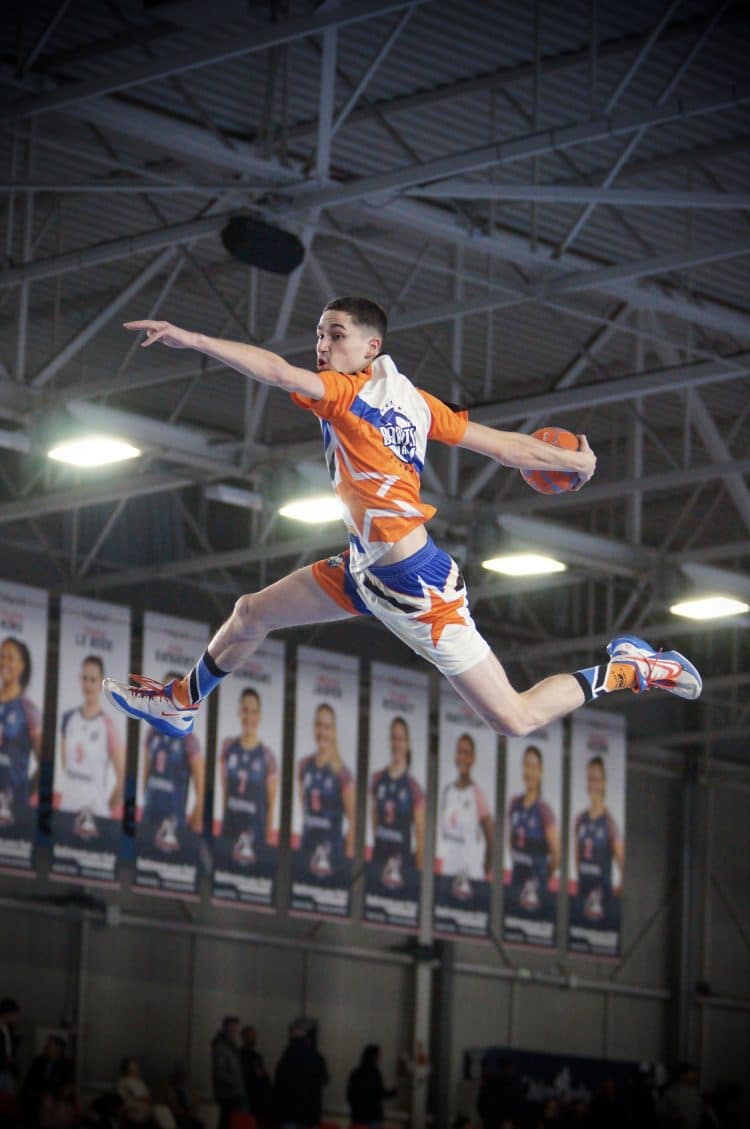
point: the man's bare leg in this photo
(294, 601)
(485, 687)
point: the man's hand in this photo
(163, 331)
(584, 475)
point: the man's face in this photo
(342, 345)
(233, 1032)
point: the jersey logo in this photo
(242, 851)
(166, 837)
(392, 878)
(529, 898)
(85, 825)
(399, 434)
(6, 808)
(320, 863)
(593, 908)
(461, 888)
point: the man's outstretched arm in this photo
(260, 364)
(523, 452)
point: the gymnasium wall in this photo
(157, 983)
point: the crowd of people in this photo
(248, 1096)
(503, 1103)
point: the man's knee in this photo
(512, 720)
(246, 616)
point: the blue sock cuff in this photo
(205, 677)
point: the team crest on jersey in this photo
(399, 434)
(461, 887)
(166, 837)
(84, 825)
(320, 863)
(6, 808)
(594, 908)
(392, 877)
(243, 852)
(529, 898)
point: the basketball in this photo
(553, 481)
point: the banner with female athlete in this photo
(90, 740)
(326, 731)
(170, 853)
(465, 825)
(23, 659)
(247, 775)
(531, 837)
(397, 784)
(597, 832)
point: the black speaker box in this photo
(259, 244)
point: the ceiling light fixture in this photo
(93, 450)
(316, 510)
(709, 607)
(524, 564)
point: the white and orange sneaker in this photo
(663, 670)
(145, 699)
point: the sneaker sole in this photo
(158, 723)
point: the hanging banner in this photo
(170, 853)
(397, 783)
(90, 739)
(597, 823)
(23, 660)
(464, 851)
(531, 840)
(326, 734)
(247, 775)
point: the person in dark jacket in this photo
(301, 1074)
(365, 1091)
(226, 1070)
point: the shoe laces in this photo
(141, 686)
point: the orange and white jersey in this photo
(376, 425)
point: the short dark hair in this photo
(250, 692)
(597, 762)
(96, 660)
(535, 751)
(363, 312)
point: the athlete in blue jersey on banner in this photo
(20, 740)
(376, 425)
(534, 845)
(172, 764)
(326, 793)
(598, 844)
(397, 811)
(250, 777)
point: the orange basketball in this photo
(553, 481)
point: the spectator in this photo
(550, 1114)
(9, 1072)
(301, 1074)
(48, 1093)
(138, 1109)
(682, 1099)
(365, 1091)
(607, 1107)
(179, 1099)
(500, 1097)
(226, 1070)
(257, 1080)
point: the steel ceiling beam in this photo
(716, 446)
(515, 75)
(100, 493)
(501, 153)
(209, 562)
(581, 194)
(207, 54)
